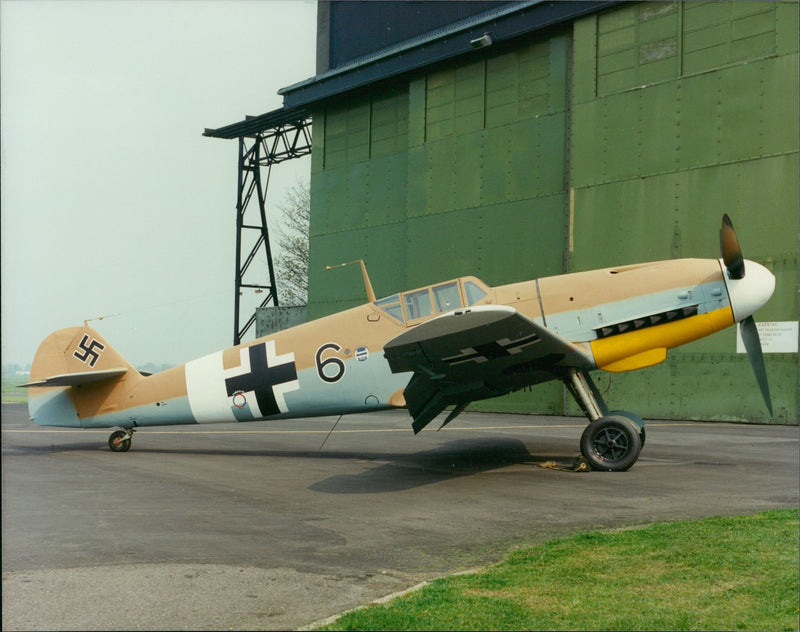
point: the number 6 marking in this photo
(336, 363)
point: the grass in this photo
(12, 394)
(737, 573)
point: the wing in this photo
(477, 353)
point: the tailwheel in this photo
(120, 441)
(611, 443)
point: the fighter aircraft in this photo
(427, 349)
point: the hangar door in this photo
(461, 170)
(683, 111)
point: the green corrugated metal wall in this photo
(621, 138)
(682, 112)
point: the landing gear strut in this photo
(613, 440)
(120, 440)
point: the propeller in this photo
(752, 343)
(747, 295)
(731, 251)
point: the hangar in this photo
(514, 140)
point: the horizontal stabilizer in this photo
(77, 379)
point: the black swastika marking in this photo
(91, 350)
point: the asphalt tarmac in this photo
(261, 526)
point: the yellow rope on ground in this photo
(579, 464)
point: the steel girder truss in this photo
(257, 154)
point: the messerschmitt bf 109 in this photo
(428, 349)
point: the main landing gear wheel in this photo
(611, 444)
(120, 441)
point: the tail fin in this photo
(75, 374)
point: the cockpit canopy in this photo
(415, 305)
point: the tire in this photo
(117, 443)
(611, 444)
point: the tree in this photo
(291, 267)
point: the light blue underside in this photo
(357, 391)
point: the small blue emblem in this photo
(362, 353)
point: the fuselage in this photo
(627, 316)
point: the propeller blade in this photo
(753, 345)
(731, 252)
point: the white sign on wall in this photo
(776, 337)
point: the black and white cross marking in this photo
(89, 350)
(492, 350)
(267, 375)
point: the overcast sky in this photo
(112, 200)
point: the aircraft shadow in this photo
(455, 459)
(396, 472)
(53, 448)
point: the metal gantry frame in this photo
(259, 150)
